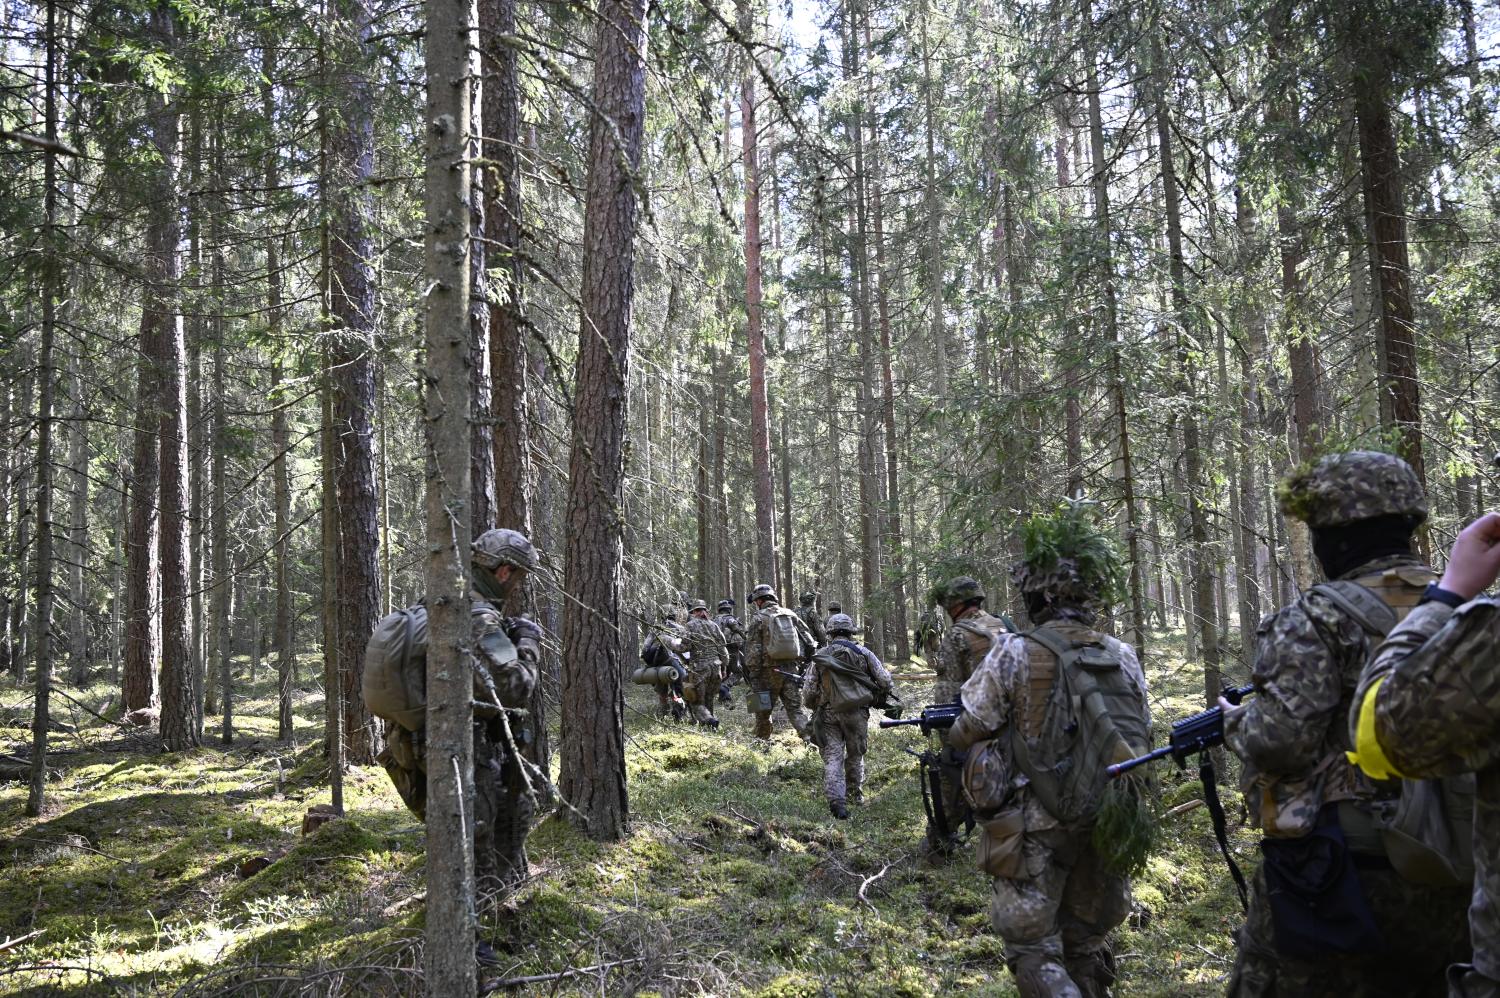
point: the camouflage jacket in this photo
(706, 644)
(963, 647)
(732, 629)
(513, 681)
(756, 634)
(999, 692)
(814, 624)
(858, 657)
(1437, 713)
(1292, 735)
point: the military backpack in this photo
(394, 682)
(844, 676)
(1085, 714)
(783, 634)
(1425, 827)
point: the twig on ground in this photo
(489, 987)
(1216, 956)
(870, 880)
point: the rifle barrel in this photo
(1129, 764)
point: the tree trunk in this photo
(760, 434)
(452, 69)
(1136, 632)
(593, 734)
(1385, 218)
(78, 530)
(51, 291)
(1198, 555)
(219, 513)
(933, 210)
(352, 304)
(280, 435)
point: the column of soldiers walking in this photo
(1368, 743)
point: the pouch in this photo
(1317, 902)
(1001, 851)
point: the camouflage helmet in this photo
(841, 622)
(835, 608)
(962, 589)
(668, 611)
(697, 604)
(502, 546)
(1350, 486)
(726, 606)
(762, 591)
(1067, 559)
(1061, 581)
(809, 598)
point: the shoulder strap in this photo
(1362, 604)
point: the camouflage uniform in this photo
(707, 660)
(1053, 919)
(1293, 735)
(809, 614)
(764, 673)
(929, 636)
(960, 650)
(674, 638)
(842, 736)
(1437, 713)
(734, 641)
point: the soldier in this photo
(808, 611)
(707, 659)
(963, 647)
(507, 651)
(1055, 895)
(929, 635)
(734, 644)
(845, 678)
(765, 663)
(1365, 930)
(1429, 705)
(666, 646)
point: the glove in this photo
(526, 635)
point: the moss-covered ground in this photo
(734, 879)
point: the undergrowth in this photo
(734, 879)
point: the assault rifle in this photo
(932, 718)
(1190, 736)
(1196, 735)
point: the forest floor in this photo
(734, 879)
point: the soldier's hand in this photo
(1475, 559)
(520, 629)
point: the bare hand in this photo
(1475, 559)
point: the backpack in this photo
(783, 636)
(845, 686)
(394, 682)
(1085, 714)
(1427, 828)
(980, 631)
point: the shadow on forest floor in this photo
(734, 879)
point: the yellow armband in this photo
(1367, 754)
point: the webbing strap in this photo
(1221, 832)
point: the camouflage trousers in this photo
(955, 806)
(1053, 922)
(1424, 930)
(502, 818)
(698, 692)
(783, 690)
(842, 737)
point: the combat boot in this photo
(856, 795)
(837, 808)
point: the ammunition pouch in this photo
(1001, 851)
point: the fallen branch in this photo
(489, 987)
(13, 943)
(1184, 808)
(870, 880)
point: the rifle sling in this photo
(1216, 814)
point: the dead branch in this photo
(489, 987)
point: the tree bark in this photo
(593, 734)
(452, 65)
(352, 304)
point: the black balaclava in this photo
(1346, 547)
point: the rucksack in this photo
(394, 682)
(980, 631)
(845, 686)
(1427, 828)
(783, 636)
(1086, 714)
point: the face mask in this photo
(489, 587)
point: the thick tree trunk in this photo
(219, 513)
(452, 69)
(352, 304)
(593, 734)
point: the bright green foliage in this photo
(1072, 534)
